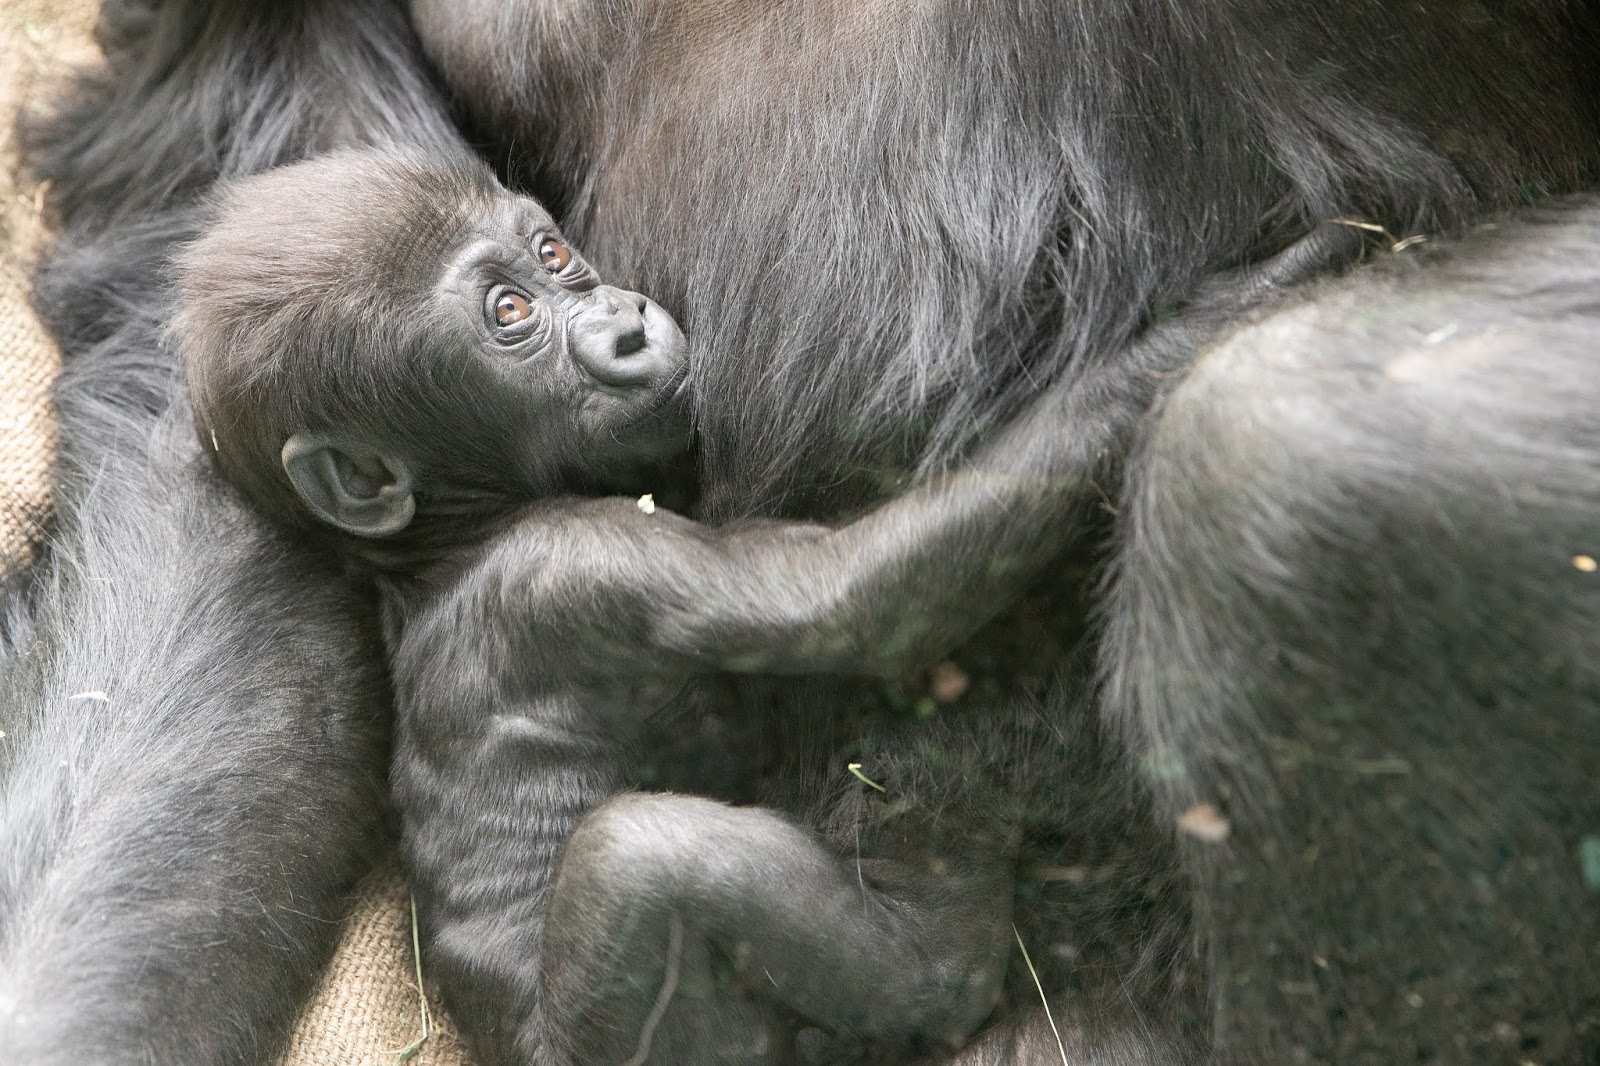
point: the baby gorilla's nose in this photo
(608, 338)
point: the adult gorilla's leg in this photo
(1357, 614)
(190, 778)
(679, 926)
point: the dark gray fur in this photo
(330, 298)
(1028, 179)
(1348, 609)
(1025, 182)
(529, 670)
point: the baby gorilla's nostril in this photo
(630, 342)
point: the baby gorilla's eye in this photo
(554, 255)
(514, 318)
(511, 308)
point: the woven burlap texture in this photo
(27, 425)
(366, 1009)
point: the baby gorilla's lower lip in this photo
(680, 392)
(671, 399)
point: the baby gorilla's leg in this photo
(682, 930)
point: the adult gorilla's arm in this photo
(191, 774)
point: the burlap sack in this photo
(367, 1010)
(27, 428)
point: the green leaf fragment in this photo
(1589, 862)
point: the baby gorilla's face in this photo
(586, 365)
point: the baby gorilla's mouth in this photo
(634, 362)
(679, 385)
(672, 394)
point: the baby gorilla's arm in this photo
(658, 595)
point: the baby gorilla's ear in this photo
(351, 485)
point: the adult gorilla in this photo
(881, 224)
(192, 707)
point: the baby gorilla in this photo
(400, 353)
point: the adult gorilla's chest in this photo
(882, 226)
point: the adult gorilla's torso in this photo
(882, 224)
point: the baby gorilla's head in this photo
(377, 340)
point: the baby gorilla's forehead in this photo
(500, 216)
(411, 238)
(407, 225)
(353, 221)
